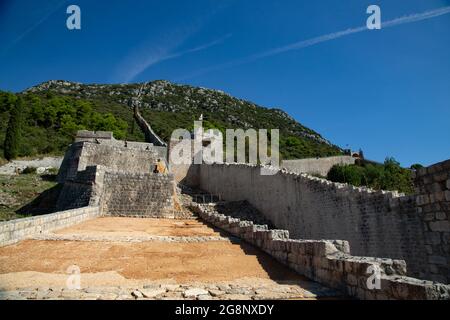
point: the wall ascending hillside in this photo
(316, 165)
(379, 224)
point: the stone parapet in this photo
(19, 229)
(375, 223)
(329, 262)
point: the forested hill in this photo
(53, 111)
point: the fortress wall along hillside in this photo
(319, 166)
(116, 158)
(379, 224)
(100, 148)
(119, 193)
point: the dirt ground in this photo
(122, 226)
(45, 263)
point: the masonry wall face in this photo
(16, 230)
(375, 224)
(115, 158)
(78, 191)
(186, 173)
(316, 165)
(126, 194)
(69, 165)
(433, 201)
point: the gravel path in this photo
(236, 290)
(115, 238)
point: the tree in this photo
(7, 100)
(416, 166)
(389, 176)
(13, 131)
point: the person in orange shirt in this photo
(160, 167)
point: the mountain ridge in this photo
(167, 106)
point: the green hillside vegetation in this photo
(49, 123)
(54, 111)
(389, 176)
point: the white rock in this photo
(152, 293)
(137, 294)
(194, 292)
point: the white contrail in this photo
(159, 54)
(50, 12)
(199, 48)
(310, 42)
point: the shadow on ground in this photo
(43, 204)
(276, 271)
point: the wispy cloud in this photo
(196, 49)
(313, 41)
(164, 47)
(49, 12)
(160, 53)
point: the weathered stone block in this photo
(422, 200)
(432, 238)
(447, 194)
(336, 264)
(440, 226)
(406, 288)
(358, 266)
(351, 280)
(342, 245)
(437, 260)
(441, 215)
(279, 245)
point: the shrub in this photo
(348, 174)
(53, 171)
(29, 170)
(389, 176)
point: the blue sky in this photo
(386, 91)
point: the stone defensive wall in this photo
(319, 166)
(16, 230)
(375, 223)
(117, 158)
(97, 192)
(78, 191)
(107, 138)
(120, 193)
(433, 206)
(329, 262)
(100, 148)
(128, 194)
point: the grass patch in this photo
(3, 161)
(19, 190)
